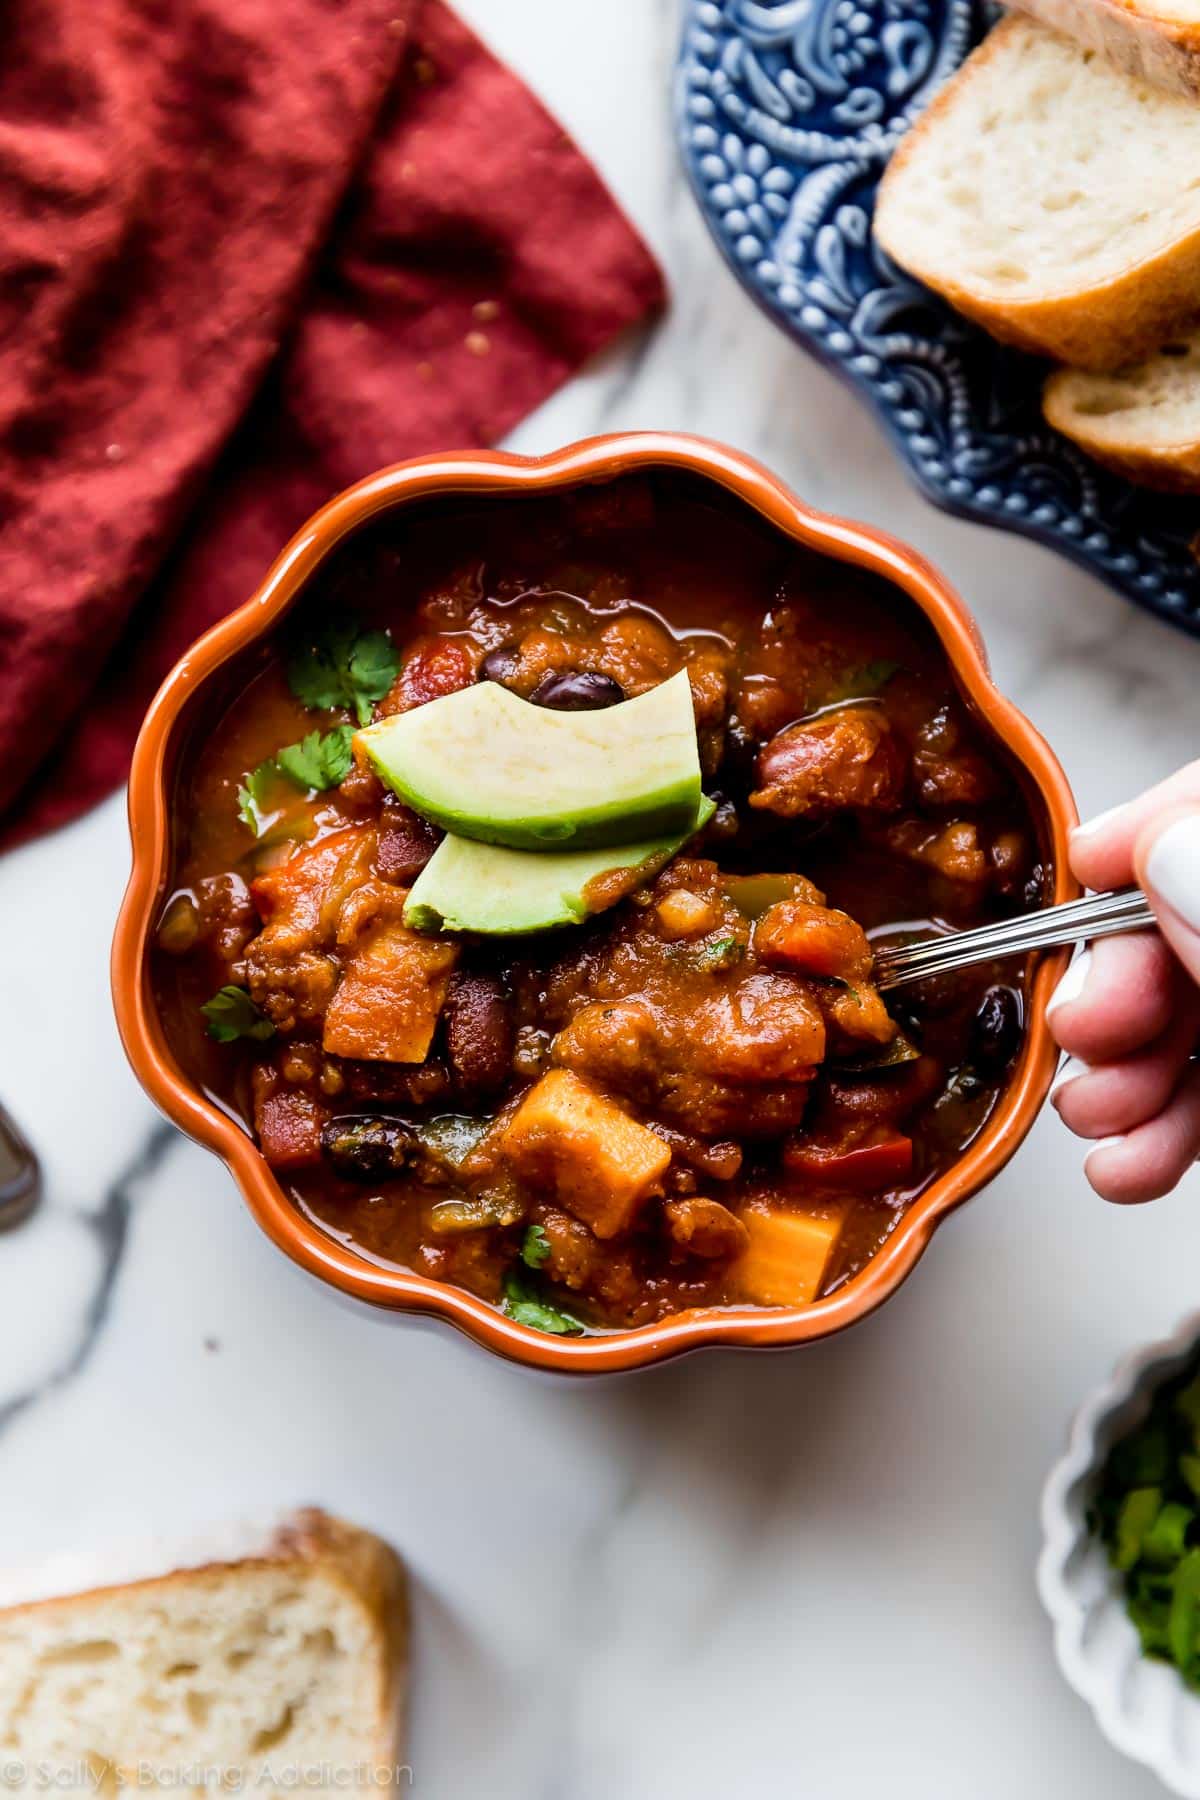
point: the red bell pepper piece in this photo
(879, 1159)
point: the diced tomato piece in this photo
(880, 1159)
(433, 667)
(289, 1128)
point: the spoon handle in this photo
(1075, 921)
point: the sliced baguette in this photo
(1052, 199)
(1142, 421)
(1152, 40)
(239, 1672)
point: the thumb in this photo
(1166, 860)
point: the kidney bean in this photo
(576, 690)
(996, 1029)
(479, 1033)
(406, 843)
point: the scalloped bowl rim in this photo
(498, 472)
(1064, 1526)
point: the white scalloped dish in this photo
(1141, 1706)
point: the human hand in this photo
(1128, 1010)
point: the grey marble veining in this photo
(806, 1575)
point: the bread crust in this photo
(1171, 468)
(367, 1568)
(1098, 328)
(1129, 34)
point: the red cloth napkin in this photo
(250, 250)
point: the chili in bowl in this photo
(506, 880)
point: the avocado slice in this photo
(486, 764)
(468, 886)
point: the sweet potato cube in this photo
(788, 1253)
(600, 1163)
(388, 1001)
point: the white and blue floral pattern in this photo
(788, 111)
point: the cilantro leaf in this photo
(231, 1013)
(252, 796)
(835, 981)
(535, 1247)
(373, 668)
(869, 679)
(722, 952)
(877, 674)
(336, 666)
(319, 760)
(523, 1304)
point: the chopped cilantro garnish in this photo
(319, 760)
(337, 665)
(856, 684)
(722, 952)
(535, 1247)
(231, 1013)
(835, 981)
(523, 1304)
(252, 797)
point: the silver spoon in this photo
(1075, 921)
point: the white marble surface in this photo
(802, 1575)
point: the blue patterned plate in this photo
(787, 112)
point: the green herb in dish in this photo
(254, 807)
(892, 1056)
(535, 1247)
(525, 1305)
(231, 1013)
(836, 981)
(857, 684)
(319, 761)
(1145, 1511)
(721, 953)
(753, 894)
(337, 665)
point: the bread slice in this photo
(1143, 421)
(1053, 199)
(1152, 40)
(289, 1658)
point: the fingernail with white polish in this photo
(1173, 868)
(1071, 1070)
(1072, 983)
(1101, 821)
(1107, 1143)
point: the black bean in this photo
(499, 665)
(1035, 891)
(364, 1149)
(996, 1028)
(577, 690)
